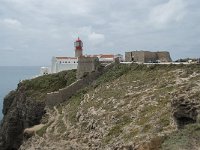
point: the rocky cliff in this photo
(128, 107)
(24, 107)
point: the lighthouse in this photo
(78, 44)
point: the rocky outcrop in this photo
(19, 112)
(29, 132)
(184, 111)
(8, 102)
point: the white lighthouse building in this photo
(67, 63)
(63, 63)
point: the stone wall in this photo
(128, 56)
(150, 57)
(87, 65)
(138, 56)
(147, 56)
(55, 98)
(164, 56)
(135, 56)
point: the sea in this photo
(10, 76)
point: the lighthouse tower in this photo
(78, 48)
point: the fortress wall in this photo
(55, 98)
(128, 56)
(138, 56)
(164, 56)
(64, 94)
(86, 65)
(149, 57)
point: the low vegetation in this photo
(128, 105)
(38, 87)
(187, 138)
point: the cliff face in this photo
(129, 107)
(19, 112)
(24, 107)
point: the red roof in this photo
(66, 58)
(102, 56)
(107, 56)
(95, 55)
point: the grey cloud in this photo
(43, 28)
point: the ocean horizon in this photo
(10, 76)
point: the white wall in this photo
(63, 64)
(106, 59)
(69, 66)
(53, 65)
(44, 70)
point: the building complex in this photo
(85, 62)
(68, 63)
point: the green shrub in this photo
(38, 87)
(114, 73)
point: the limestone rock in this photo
(184, 110)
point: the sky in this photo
(32, 31)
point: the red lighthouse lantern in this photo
(78, 48)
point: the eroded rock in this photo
(20, 112)
(184, 111)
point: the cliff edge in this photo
(25, 106)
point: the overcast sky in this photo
(32, 31)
